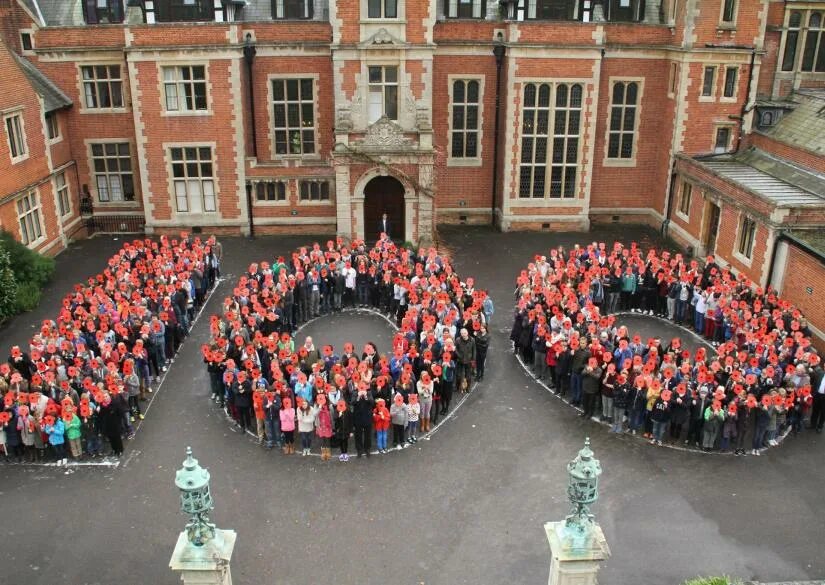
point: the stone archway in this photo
(384, 194)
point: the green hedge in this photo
(711, 581)
(32, 271)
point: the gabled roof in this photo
(53, 96)
(31, 6)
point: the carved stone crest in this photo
(385, 134)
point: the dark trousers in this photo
(589, 404)
(695, 431)
(245, 418)
(397, 435)
(818, 410)
(481, 358)
(446, 397)
(363, 438)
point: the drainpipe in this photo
(669, 204)
(746, 107)
(249, 52)
(499, 51)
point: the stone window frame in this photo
(62, 196)
(214, 178)
(724, 78)
(673, 79)
(48, 119)
(270, 101)
(465, 161)
(134, 170)
(320, 202)
(712, 96)
(81, 86)
(738, 239)
(162, 66)
(479, 6)
(30, 33)
(719, 126)
(35, 209)
(267, 203)
(401, 13)
(607, 161)
(734, 9)
(682, 213)
(586, 110)
(16, 137)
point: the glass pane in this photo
(795, 19)
(178, 170)
(193, 186)
(169, 74)
(472, 144)
(815, 20)
(555, 182)
(280, 116)
(123, 149)
(180, 196)
(208, 196)
(542, 121)
(199, 72)
(200, 96)
(527, 150)
(615, 118)
(278, 89)
(541, 150)
(629, 119)
(627, 145)
(112, 165)
(529, 95)
(115, 187)
(125, 164)
(177, 154)
(613, 145)
(101, 72)
(458, 117)
(472, 117)
(573, 118)
(100, 165)
(260, 192)
(458, 92)
(117, 95)
(561, 95)
(375, 75)
(632, 92)
(544, 96)
(206, 169)
(306, 89)
(524, 181)
(390, 9)
(558, 150)
(205, 153)
(374, 9)
(292, 90)
(102, 188)
(390, 74)
(572, 150)
(309, 141)
(472, 92)
(820, 58)
(280, 142)
(458, 144)
(97, 150)
(560, 122)
(293, 115)
(810, 48)
(391, 102)
(294, 142)
(128, 187)
(576, 96)
(88, 72)
(618, 93)
(171, 97)
(191, 153)
(306, 114)
(538, 181)
(569, 181)
(111, 149)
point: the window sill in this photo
(56, 140)
(463, 162)
(619, 162)
(722, 27)
(728, 100)
(194, 113)
(546, 202)
(37, 243)
(383, 21)
(104, 110)
(316, 203)
(284, 203)
(707, 99)
(116, 204)
(743, 259)
(19, 159)
(682, 216)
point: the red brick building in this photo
(319, 115)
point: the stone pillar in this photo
(574, 559)
(207, 564)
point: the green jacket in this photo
(629, 283)
(73, 428)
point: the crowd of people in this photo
(762, 378)
(259, 372)
(85, 373)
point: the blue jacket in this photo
(56, 432)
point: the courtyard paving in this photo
(466, 507)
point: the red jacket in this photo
(381, 424)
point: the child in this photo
(288, 426)
(56, 429)
(306, 426)
(414, 412)
(425, 395)
(399, 417)
(381, 422)
(73, 435)
(343, 428)
(323, 426)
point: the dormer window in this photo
(184, 10)
(292, 9)
(382, 8)
(103, 11)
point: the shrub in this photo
(8, 286)
(710, 581)
(31, 270)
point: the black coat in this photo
(362, 410)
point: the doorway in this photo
(384, 195)
(712, 214)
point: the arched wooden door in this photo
(384, 195)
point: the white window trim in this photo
(59, 137)
(91, 166)
(37, 209)
(256, 182)
(69, 207)
(30, 32)
(270, 101)
(712, 96)
(189, 216)
(723, 24)
(21, 157)
(678, 211)
(623, 162)
(400, 10)
(738, 234)
(162, 89)
(465, 161)
(303, 202)
(729, 146)
(401, 88)
(724, 77)
(586, 112)
(82, 91)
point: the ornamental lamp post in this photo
(577, 544)
(195, 499)
(582, 489)
(203, 552)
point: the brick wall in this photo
(805, 158)
(802, 271)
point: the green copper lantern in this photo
(195, 499)
(582, 488)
